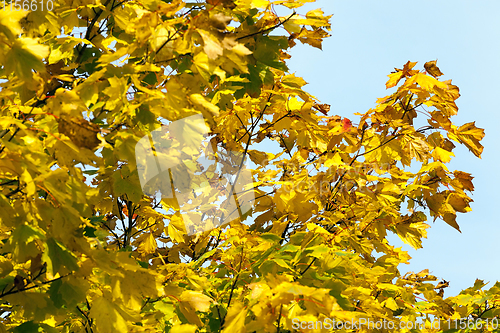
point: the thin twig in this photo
(279, 319)
(268, 29)
(234, 283)
(11, 291)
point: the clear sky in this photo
(369, 39)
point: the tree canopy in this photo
(85, 248)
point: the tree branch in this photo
(234, 284)
(12, 291)
(279, 319)
(89, 321)
(268, 29)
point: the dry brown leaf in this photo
(432, 69)
(80, 131)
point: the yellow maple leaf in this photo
(235, 319)
(427, 82)
(9, 22)
(186, 328)
(442, 155)
(198, 301)
(395, 77)
(211, 45)
(24, 55)
(147, 243)
(469, 135)
(459, 202)
(106, 316)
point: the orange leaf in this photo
(432, 69)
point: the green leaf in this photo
(57, 256)
(23, 242)
(270, 237)
(25, 55)
(69, 293)
(31, 327)
(267, 51)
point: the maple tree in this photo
(84, 250)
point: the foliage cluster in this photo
(83, 250)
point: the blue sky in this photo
(369, 39)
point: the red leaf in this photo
(346, 124)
